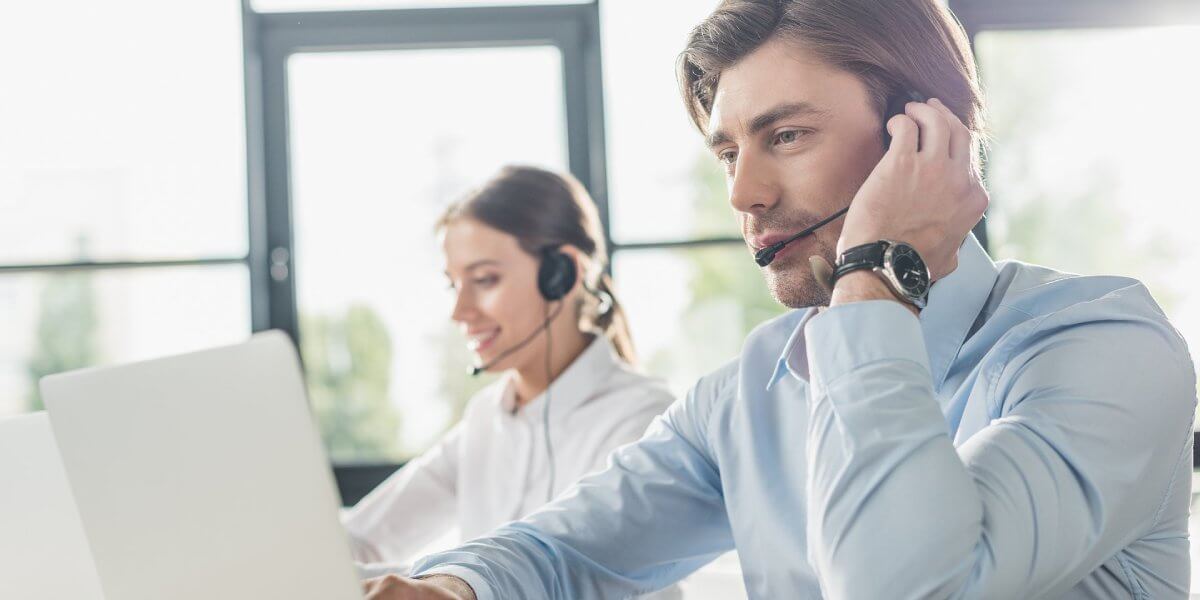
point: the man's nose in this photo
(754, 188)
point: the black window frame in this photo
(272, 37)
(128, 261)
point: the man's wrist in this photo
(450, 583)
(863, 285)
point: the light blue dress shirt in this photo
(1030, 435)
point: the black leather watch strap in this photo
(866, 256)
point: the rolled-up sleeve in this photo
(1094, 425)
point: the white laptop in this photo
(202, 476)
(43, 551)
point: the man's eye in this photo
(727, 157)
(486, 281)
(789, 136)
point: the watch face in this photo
(910, 270)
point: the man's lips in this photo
(767, 240)
(759, 242)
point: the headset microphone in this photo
(766, 255)
(555, 278)
(477, 369)
(895, 106)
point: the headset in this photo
(556, 277)
(895, 106)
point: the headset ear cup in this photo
(556, 274)
(896, 106)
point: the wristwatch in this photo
(897, 263)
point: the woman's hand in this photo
(438, 587)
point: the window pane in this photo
(1094, 161)
(1081, 183)
(56, 322)
(374, 164)
(690, 309)
(660, 173)
(123, 131)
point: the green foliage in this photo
(1079, 225)
(725, 273)
(456, 386)
(67, 330)
(729, 296)
(347, 362)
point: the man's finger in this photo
(904, 134)
(934, 130)
(960, 136)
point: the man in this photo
(1025, 434)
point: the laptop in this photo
(43, 552)
(203, 476)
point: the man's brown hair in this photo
(892, 45)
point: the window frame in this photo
(272, 37)
(129, 263)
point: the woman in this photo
(525, 257)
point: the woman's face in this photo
(496, 300)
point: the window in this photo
(655, 154)
(122, 185)
(364, 164)
(1091, 169)
(1095, 148)
(373, 167)
(691, 288)
(686, 278)
(691, 308)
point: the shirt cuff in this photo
(846, 337)
(477, 583)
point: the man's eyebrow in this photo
(716, 138)
(768, 118)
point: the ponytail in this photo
(614, 324)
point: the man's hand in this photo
(438, 587)
(929, 199)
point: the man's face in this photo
(797, 139)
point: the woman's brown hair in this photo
(543, 209)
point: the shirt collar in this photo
(954, 304)
(574, 385)
(794, 347)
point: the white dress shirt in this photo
(493, 466)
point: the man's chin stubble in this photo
(794, 286)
